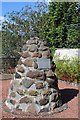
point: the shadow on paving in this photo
(68, 94)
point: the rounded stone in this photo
(13, 95)
(28, 62)
(32, 108)
(20, 91)
(35, 74)
(20, 69)
(50, 73)
(27, 83)
(43, 43)
(46, 54)
(15, 84)
(17, 75)
(19, 62)
(39, 85)
(25, 100)
(25, 47)
(52, 83)
(44, 101)
(47, 92)
(36, 54)
(33, 48)
(26, 54)
(32, 41)
(33, 93)
(42, 47)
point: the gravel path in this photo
(69, 94)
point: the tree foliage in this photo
(19, 26)
(58, 28)
(49, 22)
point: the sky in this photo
(11, 5)
(16, 6)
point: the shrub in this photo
(68, 70)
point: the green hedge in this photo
(68, 70)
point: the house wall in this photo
(67, 54)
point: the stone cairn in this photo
(33, 87)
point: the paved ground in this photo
(69, 94)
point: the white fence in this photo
(67, 54)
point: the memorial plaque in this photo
(44, 63)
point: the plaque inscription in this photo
(44, 63)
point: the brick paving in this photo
(70, 95)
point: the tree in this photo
(73, 37)
(18, 27)
(55, 29)
(51, 23)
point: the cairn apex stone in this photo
(32, 41)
